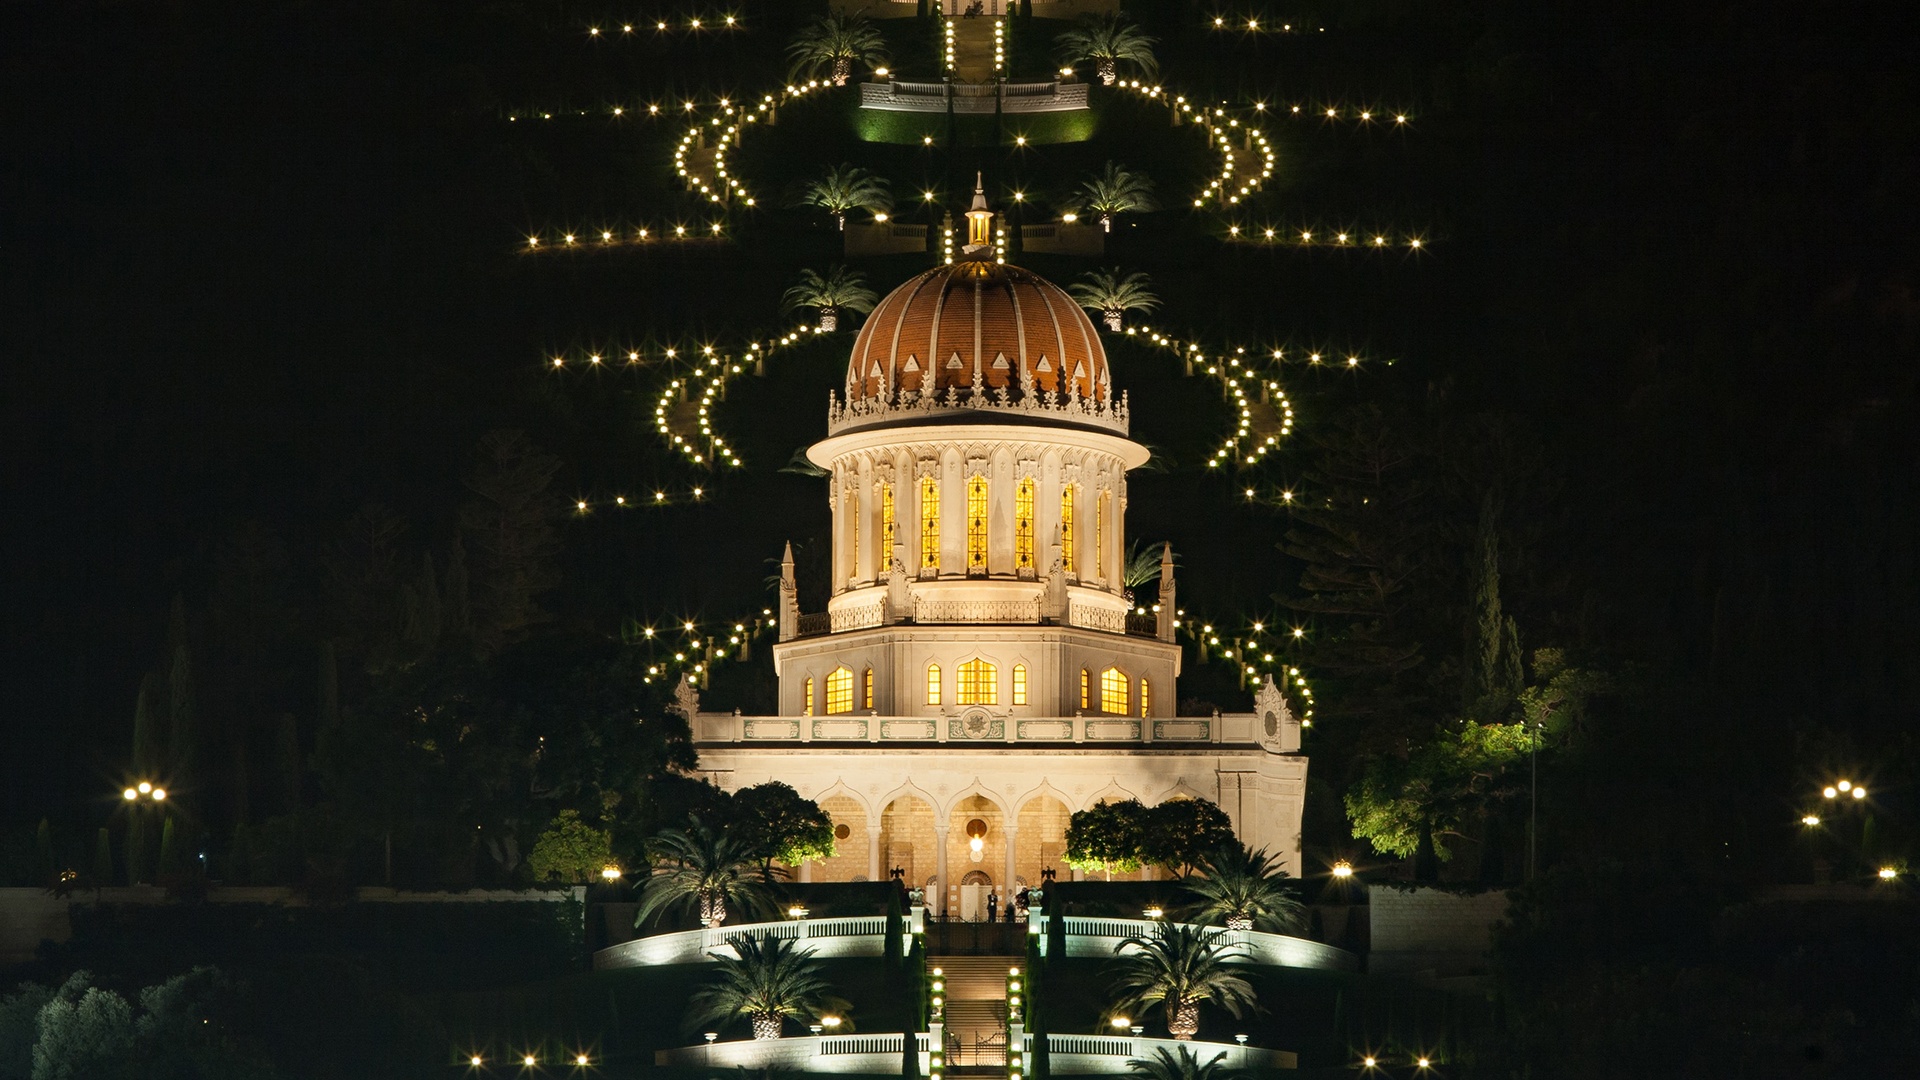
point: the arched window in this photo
(886, 527)
(1113, 692)
(977, 525)
(1023, 524)
(933, 684)
(1100, 534)
(1019, 684)
(977, 683)
(839, 691)
(866, 689)
(1146, 698)
(929, 523)
(1086, 689)
(1066, 529)
(806, 697)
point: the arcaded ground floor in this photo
(949, 817)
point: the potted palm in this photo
(1176, 967)
(766, 981)
(839, 289)
(1244, 890)
(1116, 189)
(1113, 294)
(1107, 40)
(844, 188)
(701, 868)
(835, 43)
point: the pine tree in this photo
(456, 604)
(1362, 526)
(508, 525)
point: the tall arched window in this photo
(1066, 529)
(1146, 698)
(886, 527)
(977, 682)
(933, 684)
(806, 697)
(1019, 684)
(929, 523)
(1100, 534)
(1086, 689)
(1023, 524)
(1113, 692)
(866, 689)
(977, 524)
(839, 691)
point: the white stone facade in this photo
(981, 671)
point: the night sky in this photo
(262, 265)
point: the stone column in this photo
(1013, 835)
(940, 865)
(874, 873)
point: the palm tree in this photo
(698, 866)
(766, 982)
(1142, 566)
(835, 42)
(839, 289)
(1246, 890)
(846, 187)
(1113, 295)
(1115, 190)
(1177, 967)
(1179, 1064)
(1106, 40)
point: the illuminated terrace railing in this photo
(1099, 937)
(897, 96)
(880, 1054)
(863, 935)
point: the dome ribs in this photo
(937, 337)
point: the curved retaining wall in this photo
(1100, 937)
(864, 935)
(1078, 1055)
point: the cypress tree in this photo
(329, 688)
(43, 853)
(136, 859)
(181, 716)
(102, 859)
(1489, 630)
(169, 854)
(148, 738)
(896, 933)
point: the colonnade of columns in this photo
(862, 483)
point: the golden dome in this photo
(978, 323)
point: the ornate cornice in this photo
(907, 406)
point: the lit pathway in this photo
(973, 48)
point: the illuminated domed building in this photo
(980, 671)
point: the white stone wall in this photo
(922, 798)
(1429, 929)
(1053, 656)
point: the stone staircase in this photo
(976, 1010)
